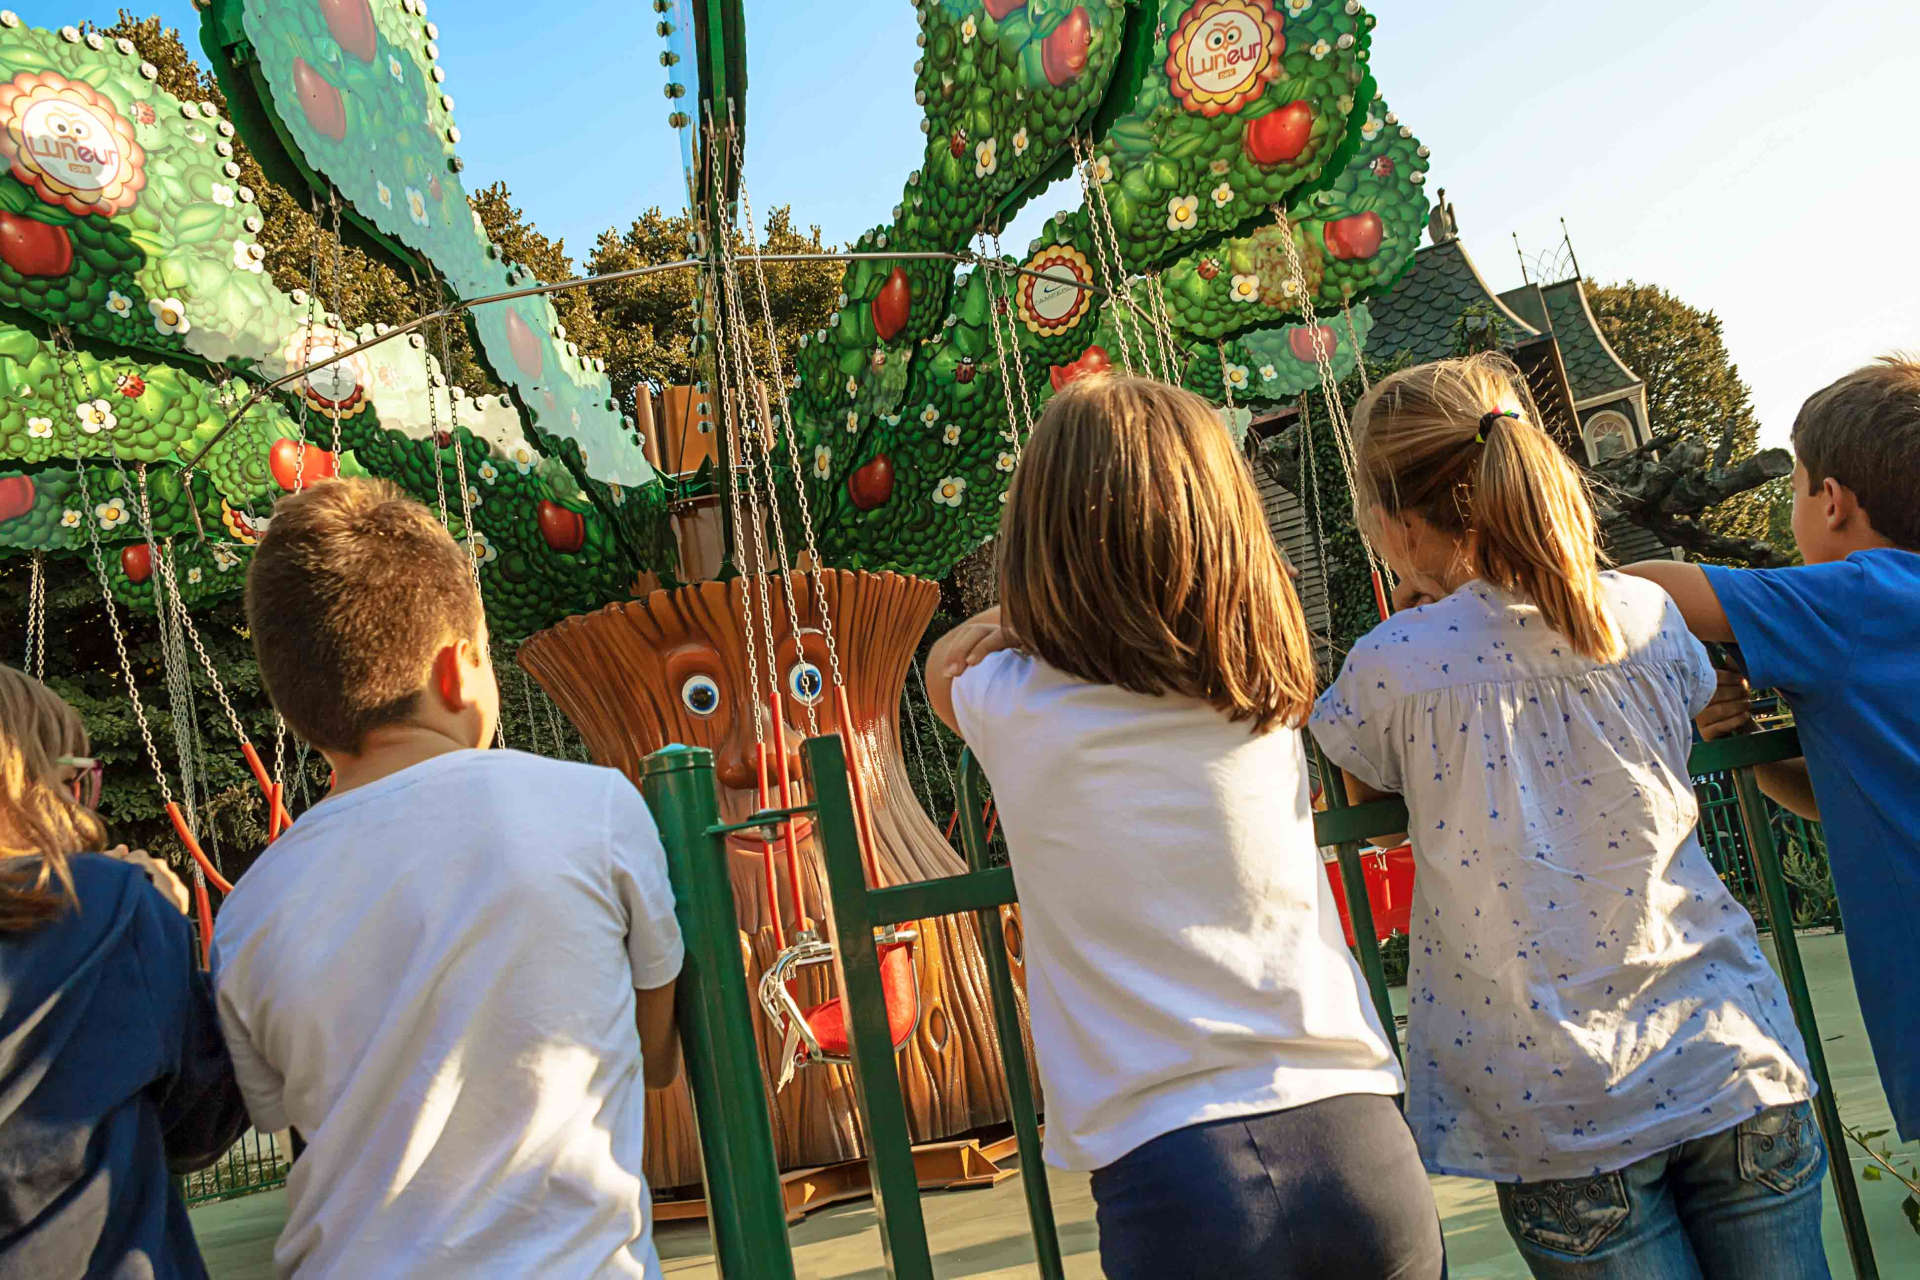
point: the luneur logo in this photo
(1224, 53)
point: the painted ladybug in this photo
(131, 385)
(1383, 167)
(957, 144)
(964, 374)
(1209, 268)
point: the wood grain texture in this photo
(619, 675)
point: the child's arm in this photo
(1786, 782)
(955, 652)
(659, 1035)
(1359, 792)
(1692, 593)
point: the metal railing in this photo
(730, 1099)
(255, 1163)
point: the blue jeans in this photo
(1329, 1189)
(1743, 1204)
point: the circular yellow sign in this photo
(1054, 301)
(70, 144)
(1224, 53)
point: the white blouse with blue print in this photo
(1584, 992)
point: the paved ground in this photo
(983, 1234)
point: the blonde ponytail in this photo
(1456, 442)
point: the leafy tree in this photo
(1694, 389)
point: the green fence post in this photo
(1013, 1049)
(745, 1207)
(883, 1110)
(1366, 939)
(1773, 884)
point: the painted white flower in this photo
(1102, 169)
(96, 416)
(169, 316)
(1246, 288)
(952, 434)
(225, 559)
(416, 206)
(194, 575)
(822, 461)
(70, 519)
(1020, 141)
(1268, 373)
(1297, 7)
(1182, 213)
(891, 419)
(950, 491)
(968, 30)
(248, 256)
(223, 195)
(618, 495)
(1003, 497)
(1371, 129)
(394, 68)
(1004, 461)
(1223, 195)
(1320, 50)
(929, 415)
(986, 158)
(853, 386)
(483, 551)
(489, 473)
(40, 428)
(473, 496)
(110, 514)
(384, 192)
(1236, 375)
(522, 459)
(853, 421)
(119, 303)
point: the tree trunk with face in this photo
(690, 666)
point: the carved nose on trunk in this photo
(740, 770)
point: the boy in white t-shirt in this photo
(436, 976)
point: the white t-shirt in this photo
(1584, 991)
(431, 977)
(1184, 958)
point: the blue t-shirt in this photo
(1842, 642)
(113, 1076)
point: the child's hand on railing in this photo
(157, 871)
(1731, 710)
(974, 639)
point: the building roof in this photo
(1419, 318)
(1593, 367)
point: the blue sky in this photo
(1753, 156)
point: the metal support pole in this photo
(744, 1202)
(883, 1109)
(1013, 1049)
(1366, 939)
(1753, 814)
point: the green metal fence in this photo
(730, 1098)
(255, 1163)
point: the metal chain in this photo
(1226, 381)
(1171, 351)
(1117, 295)
(1012, 433)
(336, 317)
(945, 763)
(533, 719)
(1020, 361)
(1353, 336)
(186, 721)
(814, 568)
(36, 659)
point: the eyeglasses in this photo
(85, 783)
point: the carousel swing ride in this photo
(736, 564)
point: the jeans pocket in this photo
(1575, 1216)
(1780, 1149)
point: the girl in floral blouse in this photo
(1592, 1023)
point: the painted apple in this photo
(34, 248)
(1063, 54)
(136, 561)
(1092, 360)
(351, 23)
(998, 9)
(291, 471)
(527, 351)
(325, 109)
(871, 485)
(1308, 344)
(1280, 135)
(1354, 238)
(565, 530)
(16, 497)
(892, 305)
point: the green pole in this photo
(883, 1110)
(1366, 939)
(1013, 1049)
(745, 1206)
(1753, 814)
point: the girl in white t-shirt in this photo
(1203, 1036)
(1591, 1021)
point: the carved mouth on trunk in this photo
(753, 845)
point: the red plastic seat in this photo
(1389, 878)
(828, 1020)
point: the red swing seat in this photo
(828, 1019)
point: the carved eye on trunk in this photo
(700, 694)
(804, 683)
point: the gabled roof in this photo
(1593, 367)
(1418, 318)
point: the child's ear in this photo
(449, 676)
(1843, 507)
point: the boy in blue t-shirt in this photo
(1840, 637)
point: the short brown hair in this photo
(352, 590)
(1864, 432)
(1134, 552)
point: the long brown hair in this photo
(1134, 551)
(1455, 442)
(39, 820)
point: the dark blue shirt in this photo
(1842, 642)
(113, 1077)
